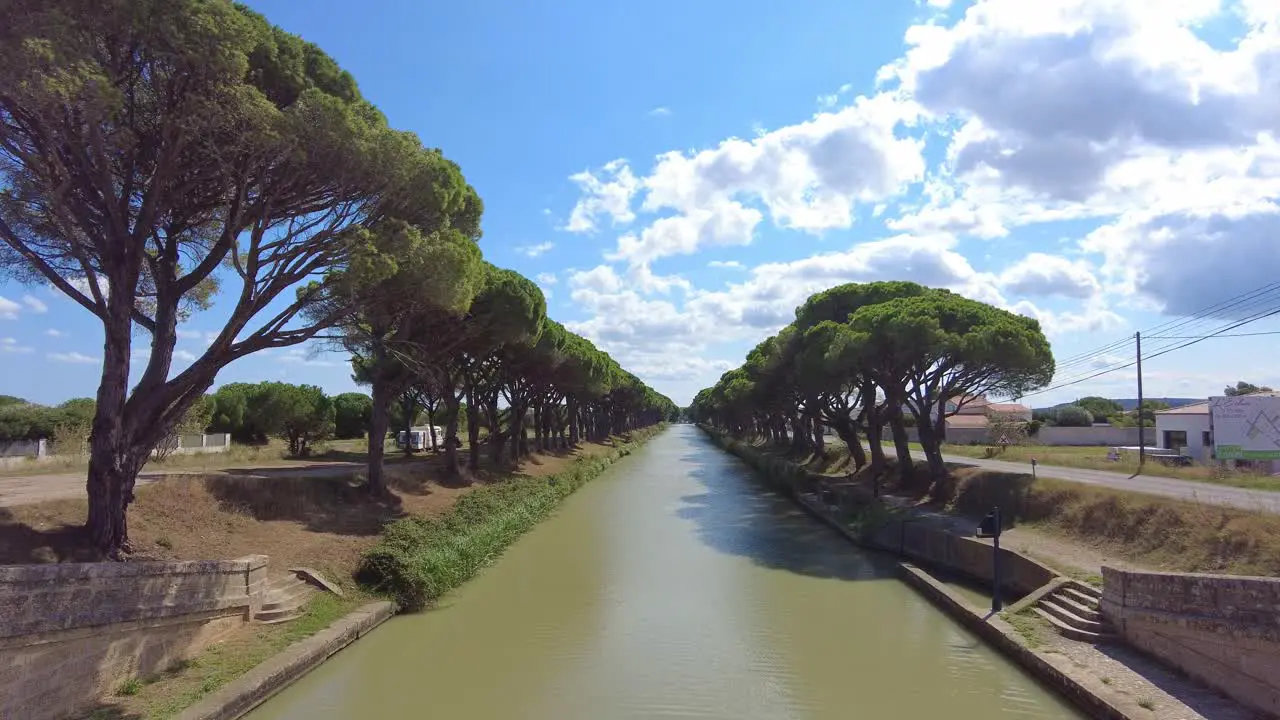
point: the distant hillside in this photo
(1130, 404)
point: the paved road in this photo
(39, 488)
(1263, 500)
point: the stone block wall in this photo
(967, 556)
(1220, 629)
(70, 633)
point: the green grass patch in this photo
(1172, 535)
(419, 559)
(221, 664)
(1095, 458)
(1030, 628)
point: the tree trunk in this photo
(407, 406)
(473, 431)
(515, 427)
(379, 420)
(819, 437)
(906, 466)
(574, 432)
(932, 448)
(451, 463)
(875, 441)
(846, 431)
(111, 467)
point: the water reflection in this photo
(675, 586)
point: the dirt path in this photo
(30, 489)
(1189, 490)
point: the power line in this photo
(1246, 299)
(1192, 340)
(1231, 335)
(1264, 298)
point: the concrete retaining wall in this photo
(968, 556)
(1222, 630)
(72, 632)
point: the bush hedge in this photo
(419, 559)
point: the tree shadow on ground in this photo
(336, 505)
(738, 515)
(107, 711)
(22, 544)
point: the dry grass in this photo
(1147, 530)
(1152, 531)
(1095, 458)
(322, 522)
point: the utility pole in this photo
(1142, 430)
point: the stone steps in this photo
(284, 599)
(1072, 610)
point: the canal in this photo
(674, 586)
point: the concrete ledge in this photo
(280, 671)
(997, 633)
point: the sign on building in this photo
(1246, 427)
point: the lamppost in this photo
(990, 528)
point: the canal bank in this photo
(416, 561)
(674, 585)
(1107, 680)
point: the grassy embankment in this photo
(1095, 458)
(328, 523)
(1143, 529)
(421, 558)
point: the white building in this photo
(1186, 430)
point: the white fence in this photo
(24, 449)
(195, 444)
(13, 454)
(1059, 436)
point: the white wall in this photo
(1194, 425)
(22, 448)
(1091, 436)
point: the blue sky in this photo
(679, 175)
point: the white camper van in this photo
(419, 438)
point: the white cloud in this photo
(535, 250)
(205, 336)
(604, 194)
(1089, 108)
(53, 332)
(733, 264)
(10, 345)
(34, 304)
(184, 356)
(660, 112)
(806, 175)
(729, 223)
(304, 356)
(74, 357)
(546, 278)
(1146, 128)
(1188, 262)
(1042, 275)
(649, 332)
(8, 308)
(600, 279)
(826, 102)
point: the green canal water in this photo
(674, 586)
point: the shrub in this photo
(419, 559)
(1073, 416)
